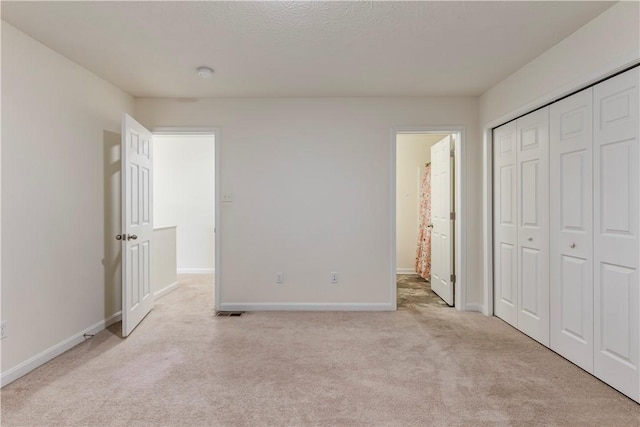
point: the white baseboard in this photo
(406, 271)
(196, 271)
(473, 307)
(40, 359)
(237, 306)
(164, 291)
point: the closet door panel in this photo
(616, 222)
(504, 224)
(532, 172)
(571, 224)
(573, 272)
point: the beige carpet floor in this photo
(419, 367)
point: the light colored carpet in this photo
(184, 367)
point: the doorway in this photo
(184, 211)
(426, 244)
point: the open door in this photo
(137, 223)
(442, 221)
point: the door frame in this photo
(460, 225)
(215, 132)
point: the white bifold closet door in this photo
(533, 224)
(521, 223)
(571, 262)
(505, 231)
(616, 222)
(566, 264)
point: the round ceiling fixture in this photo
(205, 72)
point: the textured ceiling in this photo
(151, 49)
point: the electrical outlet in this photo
(279, 277)
(334, 277)
(3, 329)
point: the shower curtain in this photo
(423, 252)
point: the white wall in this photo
(413, 151)
(310, 180)
(606, 43)
(183, 192)
(60, 211)
(165, 278)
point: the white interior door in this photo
(532, 157)
(442, 232)
(504, 223)
(616, 223)
(137, 222)
(571, 244)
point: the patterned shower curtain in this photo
(423, 252)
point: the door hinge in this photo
(452, 153)
(452, 215)
(453, 278)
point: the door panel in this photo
(134, 276)
(530, 193)
(504, 223)
(573, 274)
(442, 232)
(616, 283)
(530, 263)
(137, 221)
(616, 242)
(507, 201)
(532, 171)
(508, 274)
(615, 159)
(571, 248)
(573, 186)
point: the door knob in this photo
(119, 236)
(530, 239)
(430, 225)
(131, 237)
(573, 245)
